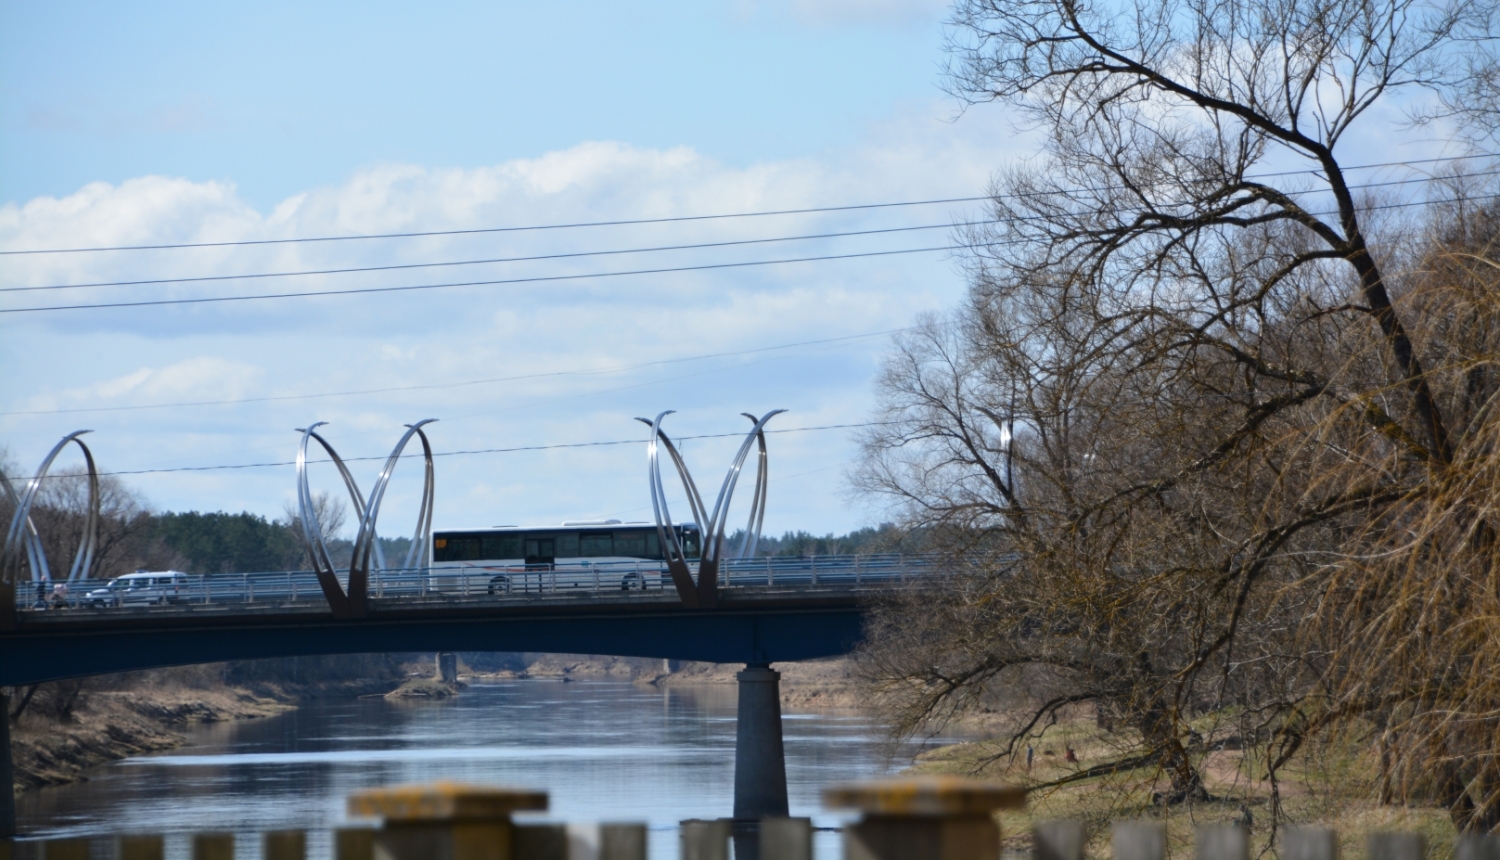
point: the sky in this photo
(161, 123)
(166, 123)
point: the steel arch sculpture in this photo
(23, 540)
(704, 593)
(355, 602)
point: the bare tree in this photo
(1198, 433)
(331, 513)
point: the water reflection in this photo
(605, 751)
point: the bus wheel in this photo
(500, 585)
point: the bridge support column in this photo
(7, 774)
(759, 761)
(447, 667)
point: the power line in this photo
(460, 384)
(562, 256)
(497, 282)
(580, 254)
(640, 221)
(584, 276)
(518, 449)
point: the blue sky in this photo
(278, 97)
(161, 122)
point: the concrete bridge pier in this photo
(759, 760)
(7, 774)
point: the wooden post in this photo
(1223, 842)
(705, 840)
(213, 846)
(354, 843)
(139, 847)
(1310, 843)
(540, 842)
(935, 818)
(622, 842)
(1138, 840)
(284, 845)
(1397, 846)
(445, 820)
(786, 838)
(1472, 847)
(64, 849)
(1058, 840)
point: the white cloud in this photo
(293, 347)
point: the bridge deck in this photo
(773, 615)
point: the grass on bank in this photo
(1324, 786)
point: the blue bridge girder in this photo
(767, 628)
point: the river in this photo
(605, 751)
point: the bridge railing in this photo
(478, 581)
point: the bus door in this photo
(540, 555)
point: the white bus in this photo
(597, 554)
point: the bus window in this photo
(653, 545)
(690, 544)
(631, 543)
(502, 546)
(567, 544)
(595, 544)
(456, 549)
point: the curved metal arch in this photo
(354, 602)
(30, 539)
(23, 533)
(366, 541)
(711, 524)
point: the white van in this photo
(140, 588)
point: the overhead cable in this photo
(514, 450)
(639, 221)
(495, 282)
(580, 254)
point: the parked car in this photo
(140, 588)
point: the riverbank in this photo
(61, 740)
(814, 685)
(65, 728)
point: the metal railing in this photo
(475, 582)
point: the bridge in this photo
(718, 607)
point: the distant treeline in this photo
(882, 538)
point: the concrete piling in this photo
(785, 839)
(1223, 842)
(705, 839)
(1397, 846)
(445, 820)
(1138, 840)
(1058, 840)
(622, 841)
(447, 667)
(1310, 843)
(759, 760)
(937, 818)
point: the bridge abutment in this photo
(7, 774)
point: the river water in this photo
(605, 751)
